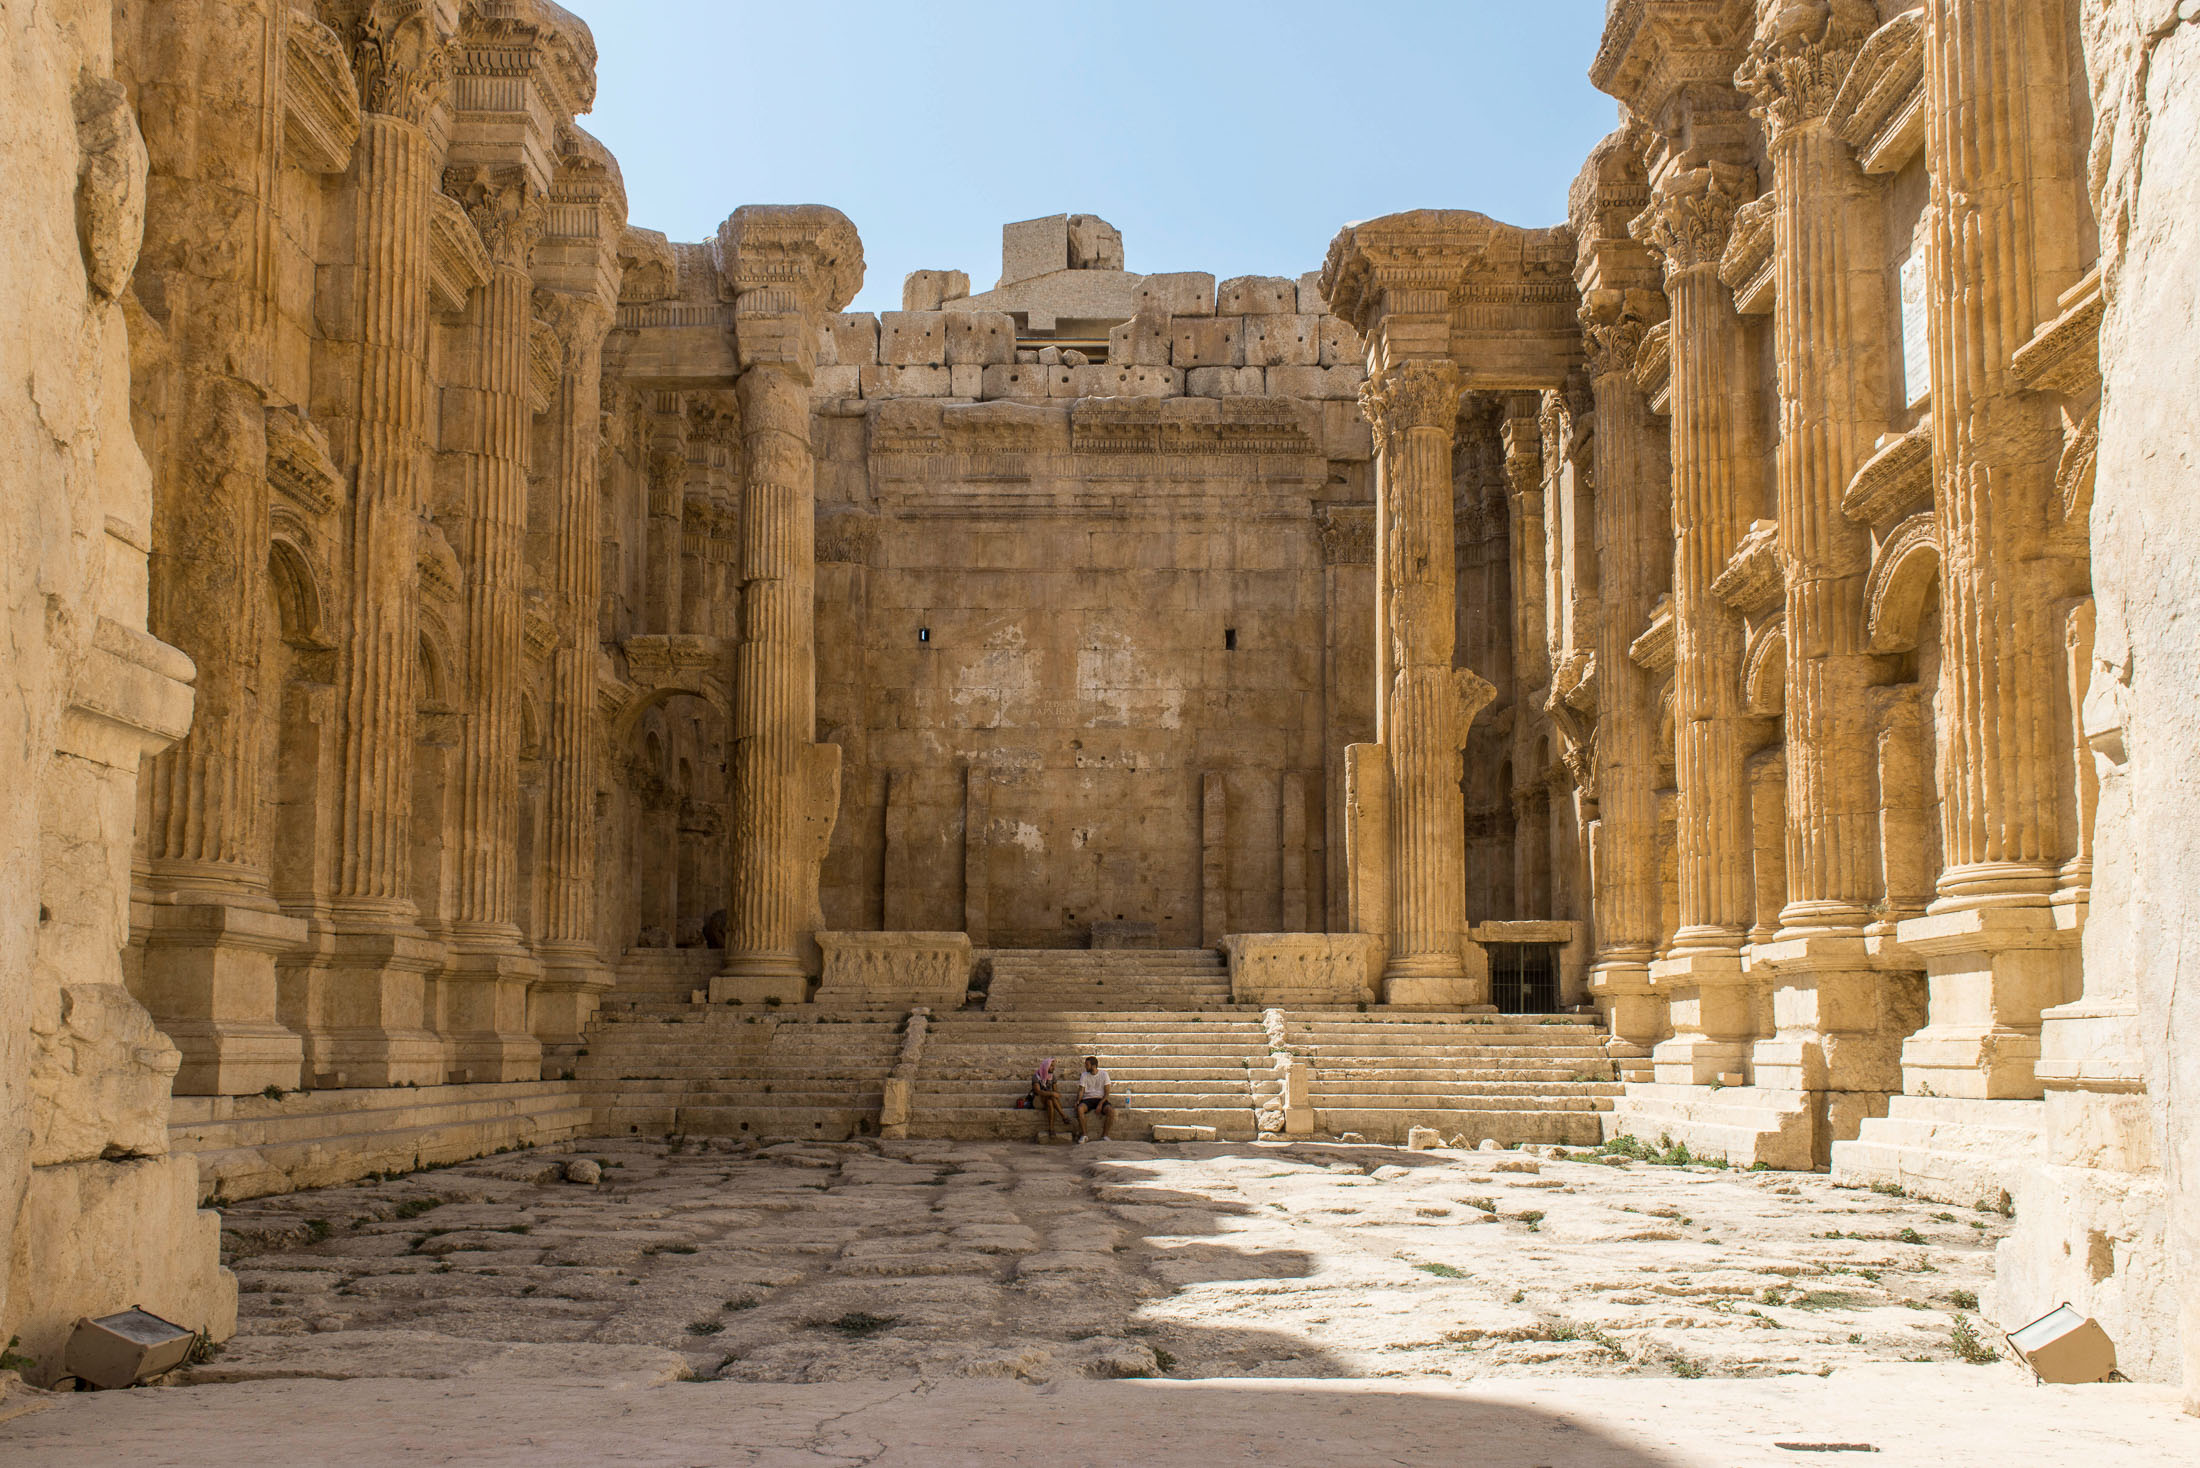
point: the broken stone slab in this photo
(1166, 1133)
(1422, 1139)
(928, 290)
(581, 1170)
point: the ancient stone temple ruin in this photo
(1712, 668)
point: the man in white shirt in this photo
(1092, 1095)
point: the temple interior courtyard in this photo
(1613, 798)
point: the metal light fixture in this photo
(125, 1349)
(2065, 1347)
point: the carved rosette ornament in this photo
(1691, 215)
(510, 216)
(1795, 68)
(404, 60)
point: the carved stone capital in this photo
(1613, 324)
(1691, 215)
(403, 59)
(508, 212)
(1348, 534)
(1413, 395)
(1802, 54)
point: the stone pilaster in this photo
(787, 267)
(1632, 538)
(1428, 703)
(363, 1006)
(1838, 1022)
(566, 935)
(1688, 223)
(485, 995)
(210, 925)
(1996, 953)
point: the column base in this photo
(361, 1006)
(1710, 1007)
(208, 977)
(564, 1000)
(1635, 1012)
(486, 1033)
(1993, 972)
(760, 978)
(1456, 981)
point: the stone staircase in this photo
(1112, 980)
(1514, 1079)
(1166, 1069)
(653, 1066)
(669, 975)
(1945, 1149)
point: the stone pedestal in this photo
(485, 1019)
(1711, 1006)
(209, 978)
(362, 1008)
(1993, 971)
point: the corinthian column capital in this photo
(1613, 324)
(404, 59)
(1691, 215)
(1413, 395)
(507, 210)
(1800, 57)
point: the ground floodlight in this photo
(2065, 1347)
(122, 1350)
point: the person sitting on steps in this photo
(1092, 1095)
(1043, 1098)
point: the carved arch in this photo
(1764, 670)
(1903, 576)
(630, 717)
(298, 600)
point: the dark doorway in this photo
(1524, 977)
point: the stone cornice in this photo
(458, 261)
(2065, 355)
(1896, 478)
(1880, 108)
(1654, 49)
(1433, 283)
(1747, 265)
(1753, 582)
(507, 47)
(320, 98)
(1653, 650)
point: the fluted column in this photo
(1688, 223)
(566, 935)
(211, 925)
(365, 1010)
(1632, 540)
(1426, 708)
(1839, 1023)
(486, 995)
(1996, 955)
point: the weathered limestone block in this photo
(1311, 300)
(1185, 293)
(1218, 342)
(1257, 295)
(1225, 382)
(895, 969)
(1108, 380)
(1303, 968)
(100, 1075)
(854, 337)
(838, 382)
(1341, 346)
(1323, 384)
(913, 338)
(980, 338)
(1142, 341)
(1282, 340)
(928, 290)
(1025, 380)
(905, 382)
(966, 381)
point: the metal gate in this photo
(1524, 977)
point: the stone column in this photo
(1839, 1023)
(1995, 952)
(787, 267)
(490, 969)
(1690, 217)
(1347, 534)
(363, 1009)
(566, 937)
(1633, 554)
(211, 926)
(1428, 704)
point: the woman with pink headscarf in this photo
(1043, 1098)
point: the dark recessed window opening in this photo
(1229, 639)
(924, 634)
(1524, 977)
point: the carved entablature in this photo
(1894, 480)
(584, 222)
(2064, 356)
(1747, 265)
(320, 98)
(403, 59)
(846, 537)
(647, 270)
(1880, 109)
(1753, 582)
(1690, 219)
(1656, 53)
(505, 209)
(1653, 651)
(458, 262)
(1800, 58)
(522, 68)
(787, 266)
(298, 463)
(1347, 534)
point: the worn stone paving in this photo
(807, 1262)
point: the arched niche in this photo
(1904, 576)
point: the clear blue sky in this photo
(1231, 136)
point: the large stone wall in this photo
(94, 1215)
